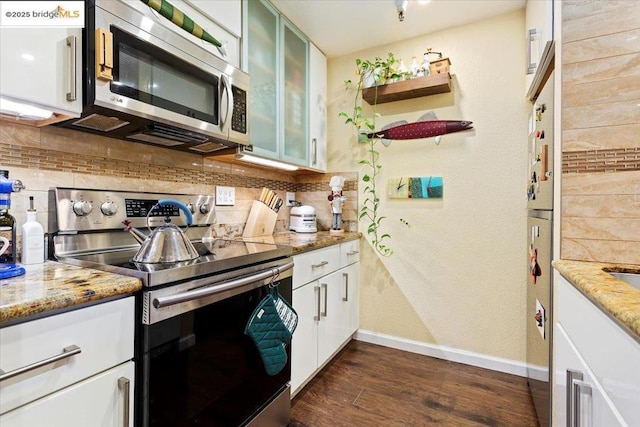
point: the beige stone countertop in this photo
(53, 286)
(302, 242)
(619, 299)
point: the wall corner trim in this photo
(446, 353)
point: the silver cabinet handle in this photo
(316, 290)
(322, 264)
(73, 46)
(314, 142)
(326, 297)
(346, 287)
(67, 352)
(579, 388)
(572, 377)
(353, 253)
(124, 384)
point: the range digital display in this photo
(139, 208)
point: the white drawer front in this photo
(104, 334)
(610, 352)
(314, 264)
(349, 252)
(98, 402)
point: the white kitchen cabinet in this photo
(227, 13)
(539, 36)
(99, 401)
(317, 108)
(288, 89)
(70, 350)
(42, 68)
(350, 299)
(304, 345)
(328, 309)
(578, 395)
(221, 19)
(608, 355)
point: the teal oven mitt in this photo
(269, 334)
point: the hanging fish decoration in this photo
(178, 17)
(427, 126)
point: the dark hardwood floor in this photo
(370, 385)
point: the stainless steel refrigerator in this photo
(539, 253)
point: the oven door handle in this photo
(210, 290)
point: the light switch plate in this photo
(225, 196)
(290, 197)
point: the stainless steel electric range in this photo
(194, 364)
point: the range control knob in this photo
(204, 208)
(109, 208)
(82, 208)
(191, 207)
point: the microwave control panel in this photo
(239, 116)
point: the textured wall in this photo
(457, 275)
(601, 131)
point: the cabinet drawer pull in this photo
(580, 388)
(346, 287)
(316, 291)
(67, 352)
(326, 297)
(572, 377)
(72, 43)
(124, 384)
(353, 253)
(322, 264)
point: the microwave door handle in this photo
(225, 90)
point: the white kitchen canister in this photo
(32, 238)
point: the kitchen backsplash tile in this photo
(54, 157)
(600, 127)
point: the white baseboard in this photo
(446, 353)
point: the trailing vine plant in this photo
(381, 71)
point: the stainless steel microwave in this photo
(145, 81)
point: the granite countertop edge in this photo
(619, 300)
(53, 287)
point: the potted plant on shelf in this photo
(377, 72)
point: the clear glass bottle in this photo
(402, 70)
(7, 227)
(415, 68)
(426, 64)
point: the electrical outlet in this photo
(225, 196)
(290, 198)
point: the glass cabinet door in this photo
(296, 50)
(263, 69)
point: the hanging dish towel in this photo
(269, 334)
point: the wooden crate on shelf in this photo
(440, 66)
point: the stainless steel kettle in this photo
(167, 243)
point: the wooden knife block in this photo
(261, 221)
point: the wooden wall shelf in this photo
(407, 89)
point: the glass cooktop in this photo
(215, 257)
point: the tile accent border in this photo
(608, 160)
(38, 158)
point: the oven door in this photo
(199, 368)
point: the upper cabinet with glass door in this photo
(280, 65)
(296, 59)
(263, 65)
